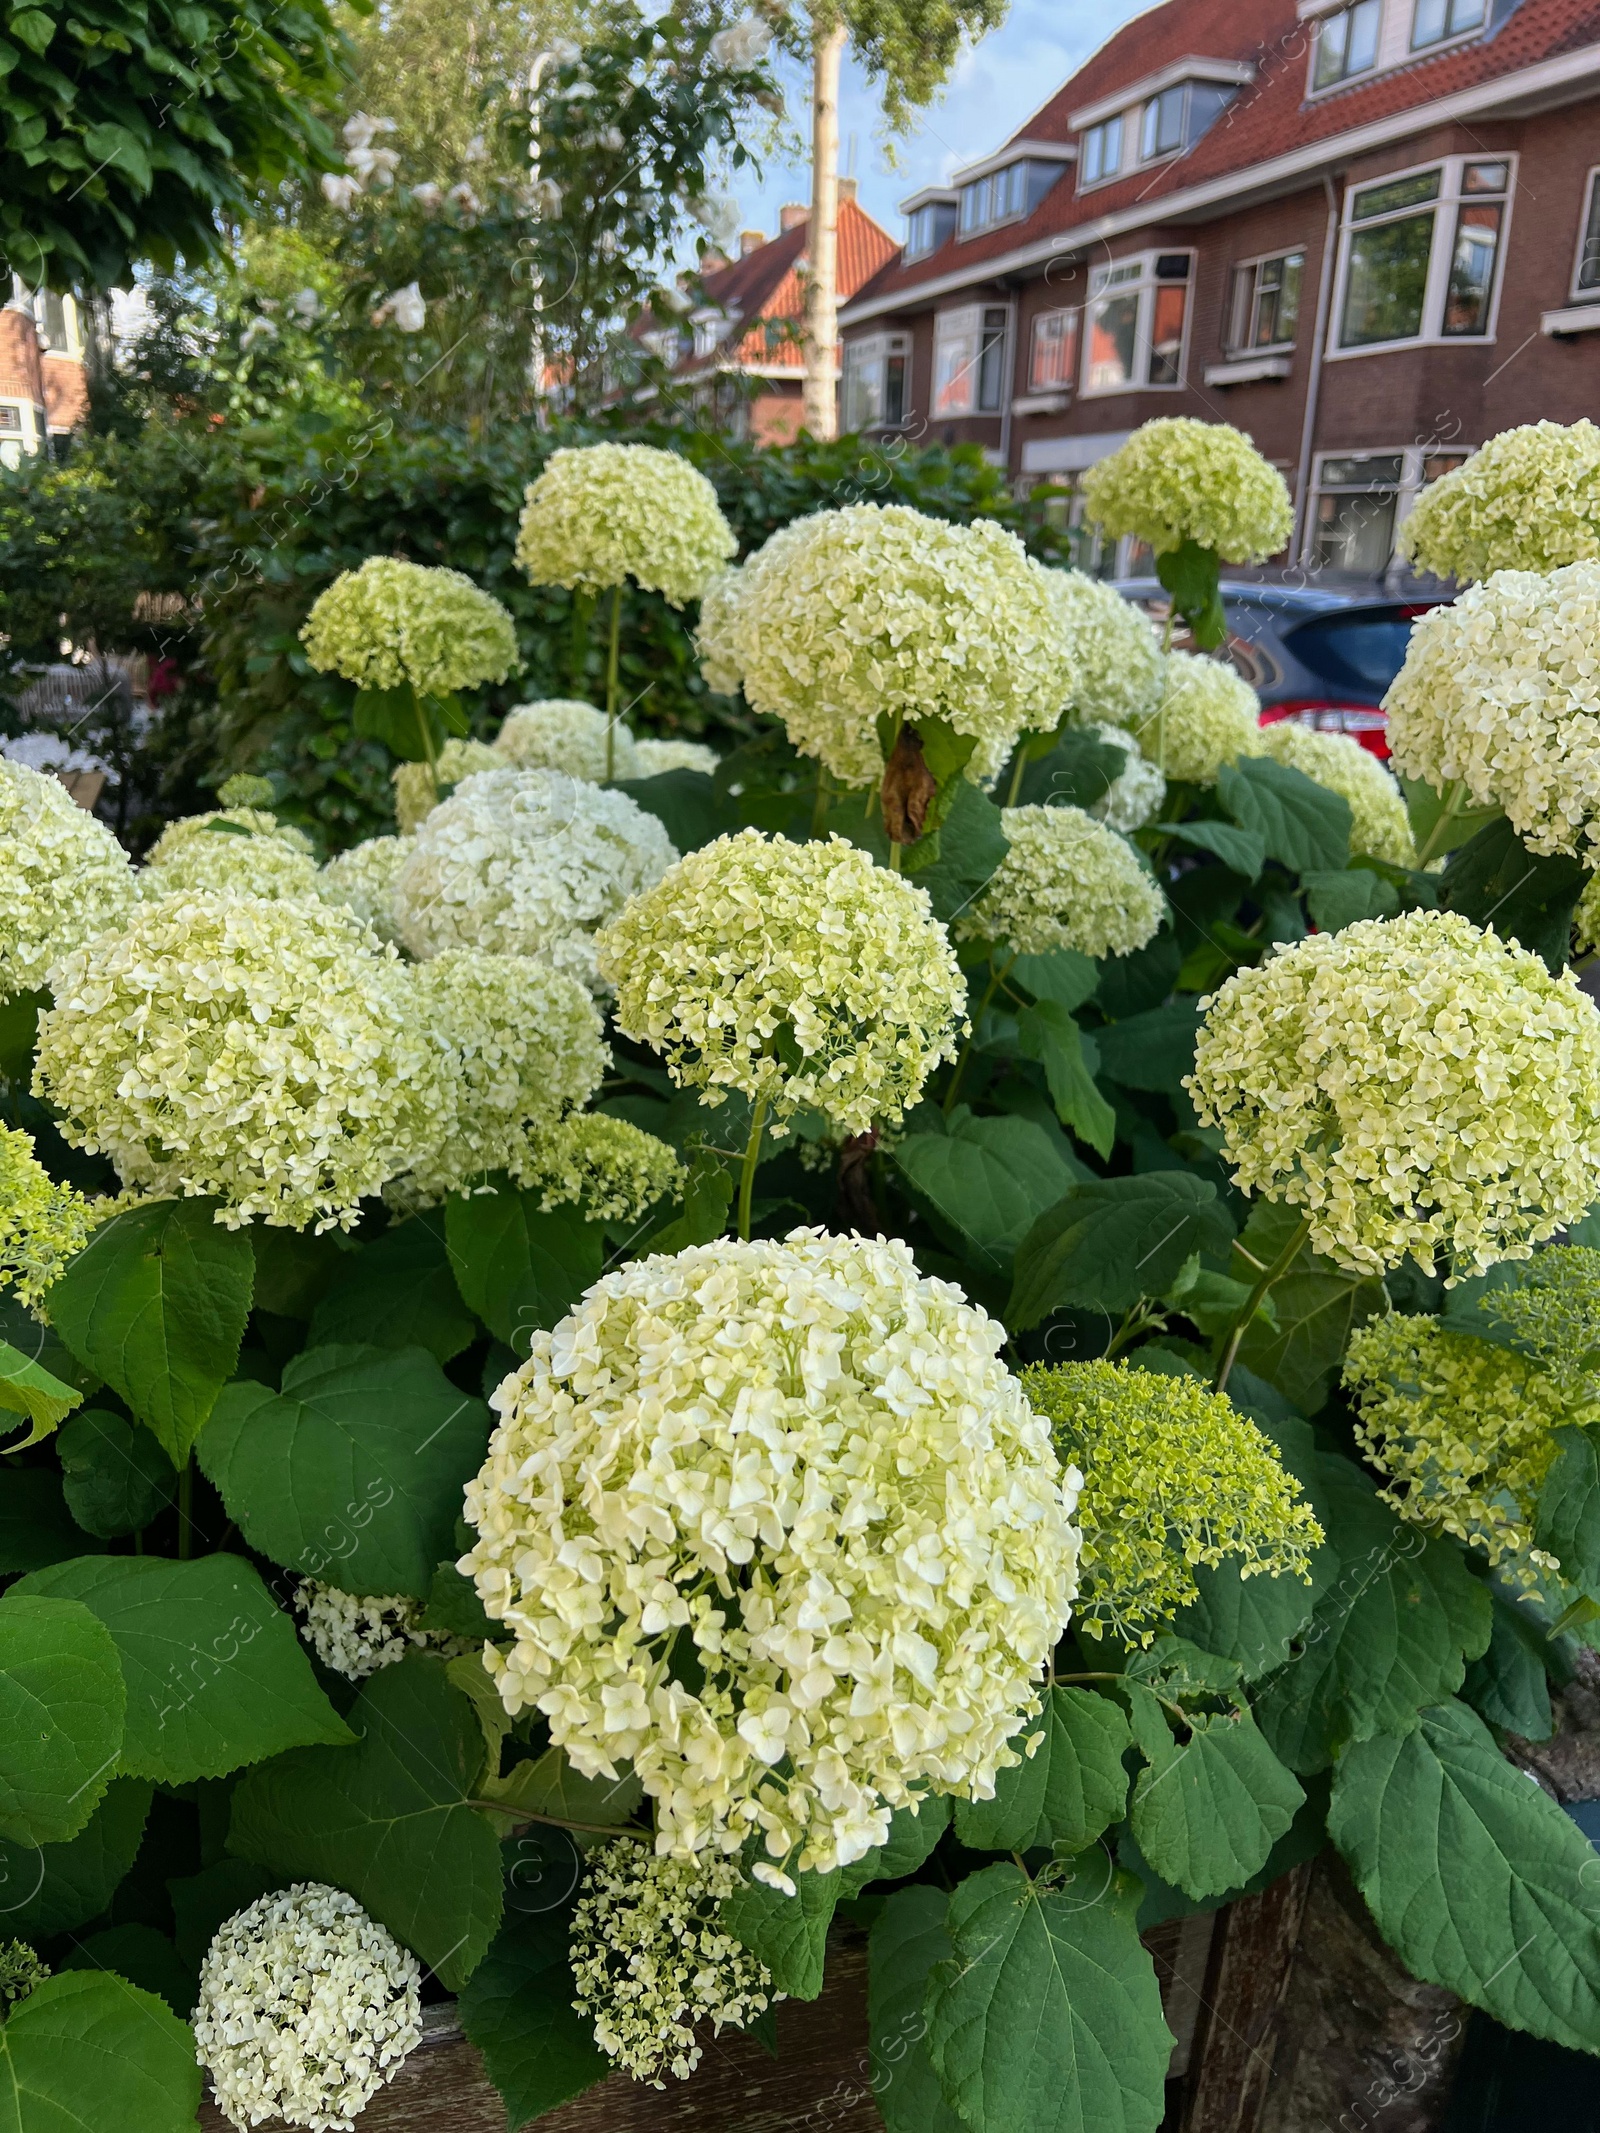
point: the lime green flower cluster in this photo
(1529, 499)
(1066, 882)
(1206, 717)
(242, 851)
(1113, 660)
(600, 514)
(1586, 919)
(391, 622)
(42, 1224)
(1178, 480)
(612, 1169)
(362, 880)
(66, 877)
(1463, 1430)
(560, 733)
(419, 789)
(1380, 828)
(1173, 1476)
(1553, 1313)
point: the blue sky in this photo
(993, 89)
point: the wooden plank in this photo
(1234, 2023)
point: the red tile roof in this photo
(1272, 117)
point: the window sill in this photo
(1248, 370)
(1121, 392)
(1042, 403)
(1577, 318)
(1420, 340)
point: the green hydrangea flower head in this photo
(391, 622)
(243, 851)
(20, 1970)
(1529, 499)
(1178, 480)
(1173, 1476)
(1066, 882)
(1380, 828)
(613, 1170)
(1208, 716)
(1552, 1312)
(42, 1224)
(66, 877)
(600, 514)
(1414, 1085)
(804, 976)
(1586, 919)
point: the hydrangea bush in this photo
(541, 1525)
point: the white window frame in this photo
(1242, 301)
(1180, 90)
(967, 323)
(1449, 41)
(1333, 88)
(1069, 382)
(1145, 286)
(1118, 125)
(1586, 293)
(1444, 207)
(930, 209)
(1408, 487)
(874, 348)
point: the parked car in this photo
(1311, 652)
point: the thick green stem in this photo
(996, 979)
(1016, 774)
(897, 854)
(613, 651)
(430, 754)
(186, 1511)
(819, 806)
(747, 1173)
(1253, 1302)
(1447, 815)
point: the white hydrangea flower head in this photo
(1208, 717)
(235, 821)
(1380, 828)
(804, 976)
(527, 862)
(1115, 655)
(651, 1959)
(808, 1462)
(1066, 882)
(307, 2008)
(600, 514)
(391, 622)
(1502, 689)
(518, 1044)
(243, 851)
(560, 733)
(1586, 919)
(713, 635)
(653, 758)
(43, 1224)
(612, 1169)
(876, 610)
(1137, 793)
(1414, 1085)
(265, 1052)
(362, 880)
(1178, 480)
(356, 1635)
(1529, 499)
(66, 877)
(419, 790)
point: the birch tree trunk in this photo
(820, 404)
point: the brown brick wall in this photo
(19, 358)
(66, 392)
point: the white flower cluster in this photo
(1136, 794)
(1380, 828)
(559, 733)
(1415, 1085)
(612, 1169)
(876, 611)
(66, 877)
(802, 975)
(1114, 656)
(1066, 882)
(652, 757)
(307, 2008)
(518, 1043)
(1208, 717)
(391, 622)
(602, 513)
(356, 1636)
(1178, 480)
(527, 862)
(418, 789)
(713, 637)
(362, 880)
(1502, 689)
(807, 1463)
(651, 1958)
(242, 850)
(262, 1051)
(1529, 499)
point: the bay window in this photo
(1138, 311)
(1422, 254)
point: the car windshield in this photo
(1360, 652)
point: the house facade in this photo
(43, 391)
(1365, 231)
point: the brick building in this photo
(1365, 231)
(43, 393)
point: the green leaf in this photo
(1567, 1520)
(971, 846)
(54, 1888)
(1477, 1880)
(1048, 2015)
(202, 1902)
(216, 1676)
(88, 2050)
(1316, 1305)
(1078, 771)
(111, 143)
(788, 1933)
(1508, 1685)
(1106, 1243)
(1300, 822)
(1254, 1621)
(1063, 976)
(397, 1292)
(687, 805)
(156, 1303)
(1391, 1637)
(115, 1477)
(908, 1940)
(913, 1835)
(31, 26)
(454, 1607)
(61, 1716)
(35, 1528)
(19, 1032)
(1341, 899)
(294, 1268)
(519, 1269)
(548, 1785)
(412, 727)
(1151, 1051)
(1241, 849)
(989, 1179)
(1047, 1032)
(1496, 881)
(389, 1820)
(29, 1390)
(516, 2008)
(1425, 806)
(707, 1197)
(354, 1471)
(1071, 1788)
(144, 1956)
(1209, 1813)
(1192, 575)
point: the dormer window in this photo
(1161, 128)
(1347, 44)
(1006, 194)
(928, 225)
(1158, 117)
(1102, 151)
(1436, 20)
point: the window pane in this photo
(894, 389)
(1277, 301)
(1387, 199)
(1387, 282)
(1363, 47)
(1589, 258)
(1362, 470)
(954, 361)
(1347, 43)
(1166, 335)
(1485, 177)
(1162, 132)
(1113, 334)
(1055, 350)
(1430, 22)
(1465, 15)
(991, 362)
(1466, 305)
(1355, 530)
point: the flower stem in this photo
(896, 857)
(1253, 1302)
(1447, 815)
(613, 652)
(1016, 775)
(747, 1173)
(430, 754)
(819, 807)
(996, 979)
